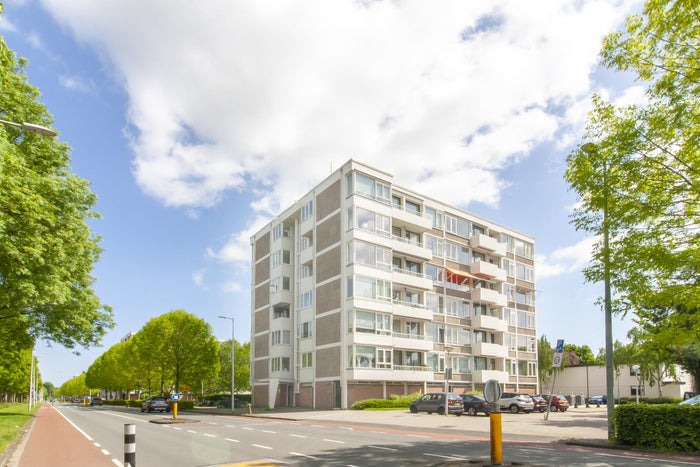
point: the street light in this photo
(233, 399)
(31, 128)
(591, 150)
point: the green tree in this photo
(640, 164)
(74, 387)
(180, 348)
(545, 356)
(47, 250)
(241, 367)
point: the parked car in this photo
(435, 402)
(156, 403)
(557, 402)
(474, 404)
(516, 402)
(540, 403)
(96, 401)
(690, 394)
(598, 400)
(695, 400)
(76, 400)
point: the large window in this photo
(435, 216)
(281, 337)
(370, 221)
(370, 255)
(307, 360)
(279, 231)
(369, 287)
(305, 299)
(456, 252)
(281, 311)
(436, 245)
(280, 257)
(279, 364)
(364, 356)
(524, 273)
(372, 323)
(371, 188)
(457, 226)
(456, 307)
(413, 208)
(524, 249)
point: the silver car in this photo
(516, 402)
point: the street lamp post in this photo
(233, 361)
(31, 128)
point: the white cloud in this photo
(6, 25)
(198, 277)
(566, 259)
(237, 94)
(76, 83)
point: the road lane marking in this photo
(269, 431)
(419, 436)
(175, 428)
(192, 431)
(303, 455)
(232, 440)
(381, 447)
(247, 428)
(262, 447)
(296, 436)
(334, 441)
(209, 435)
(441, 456)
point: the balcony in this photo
(404, 246)
(416, 374)
(412, 342)
(412, 279)
(489, 322)
(412, 310)
(484, 295)
(484, 242)
(481, 376)
(484, 268)
(486, 349)
(410, 220)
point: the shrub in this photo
(395, 401)
(663, 427)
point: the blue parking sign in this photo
(560, 346)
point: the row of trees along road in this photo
(641, 163)
(47, 250)
(171, 351)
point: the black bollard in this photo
(129, 445)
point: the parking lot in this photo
(575, 423)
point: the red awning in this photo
(460, 277)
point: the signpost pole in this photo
(492, 392)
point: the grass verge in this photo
(13, 417)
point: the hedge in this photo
(665, 427)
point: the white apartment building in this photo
(364, 289)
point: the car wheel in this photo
(514, 409)
(413, 409)
(471, 411)
(441, 411)
(563, 410)
(553, 408)
(459, 414)
(150, 410)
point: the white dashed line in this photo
(297, 436)
(246, 428)
(209, 435)
(382, 447)
(334, 441)
(269, 431)
(262, 447)
(232, 440)
(303, 455)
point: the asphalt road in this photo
(347, 438)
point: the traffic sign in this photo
(556, 361)
(186, 388)
(560, 346)
(175, 397)
(492, 391)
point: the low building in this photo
(589, 380)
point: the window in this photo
(509, 267)
(456, 252)
(281, 230)
(369, 187)
(280, 257)
(435, 216)
(307, 210)
(383, 358)
(413, 208)
(370, 255)
(510, 341)
(364, 357)
(305, 299)
(525, 297)
(281, 312)
(637, 391)
(279, 364)
(281, 337)
(524, 249)
(307, 360)
(373, 323)
(524, 273)
(457, 226)
(305, 270)
(372, 222)
(436, 245)
(369, 287)
(280, 283)
(306, 329)
(527, 368)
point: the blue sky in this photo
(195, 125)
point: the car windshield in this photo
(692, 401)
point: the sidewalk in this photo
(52, 440)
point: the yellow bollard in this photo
(175, 410)
(496, 438)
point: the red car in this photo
(557, 402)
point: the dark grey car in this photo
(435, 402)
(156, 403)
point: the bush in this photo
(394, 402)
(649, 400)
(663, 427)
